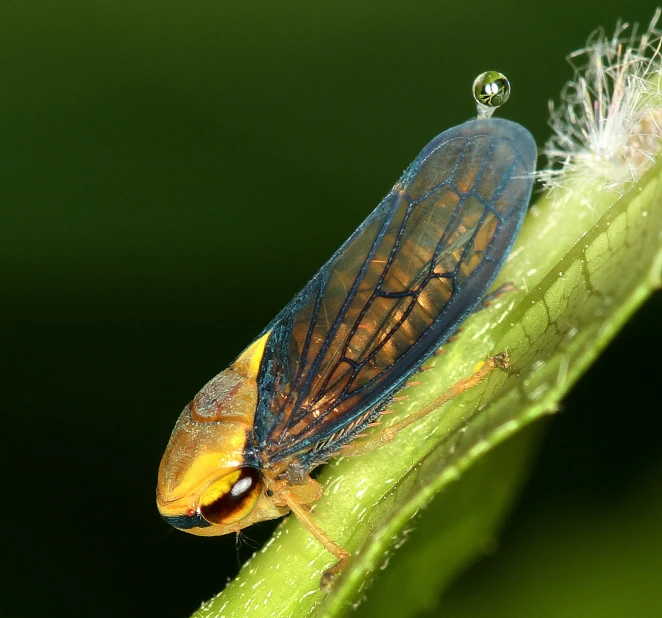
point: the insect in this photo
(243, 449)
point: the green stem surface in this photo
(583, 264)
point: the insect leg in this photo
(302, 513)
(387, 434)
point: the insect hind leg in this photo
(499, 361)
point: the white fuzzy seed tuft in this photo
(608, 126)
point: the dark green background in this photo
(172, 173)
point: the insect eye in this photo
(231, 497)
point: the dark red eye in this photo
(232, 497)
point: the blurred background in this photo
(172, 174)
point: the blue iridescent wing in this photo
(395, 291)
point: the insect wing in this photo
(395, 291)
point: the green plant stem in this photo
(582, 265)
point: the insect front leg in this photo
(298, 499)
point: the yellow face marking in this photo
(197, 454)
(209, 442)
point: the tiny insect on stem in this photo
(332, 360)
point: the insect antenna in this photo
(241, 540)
